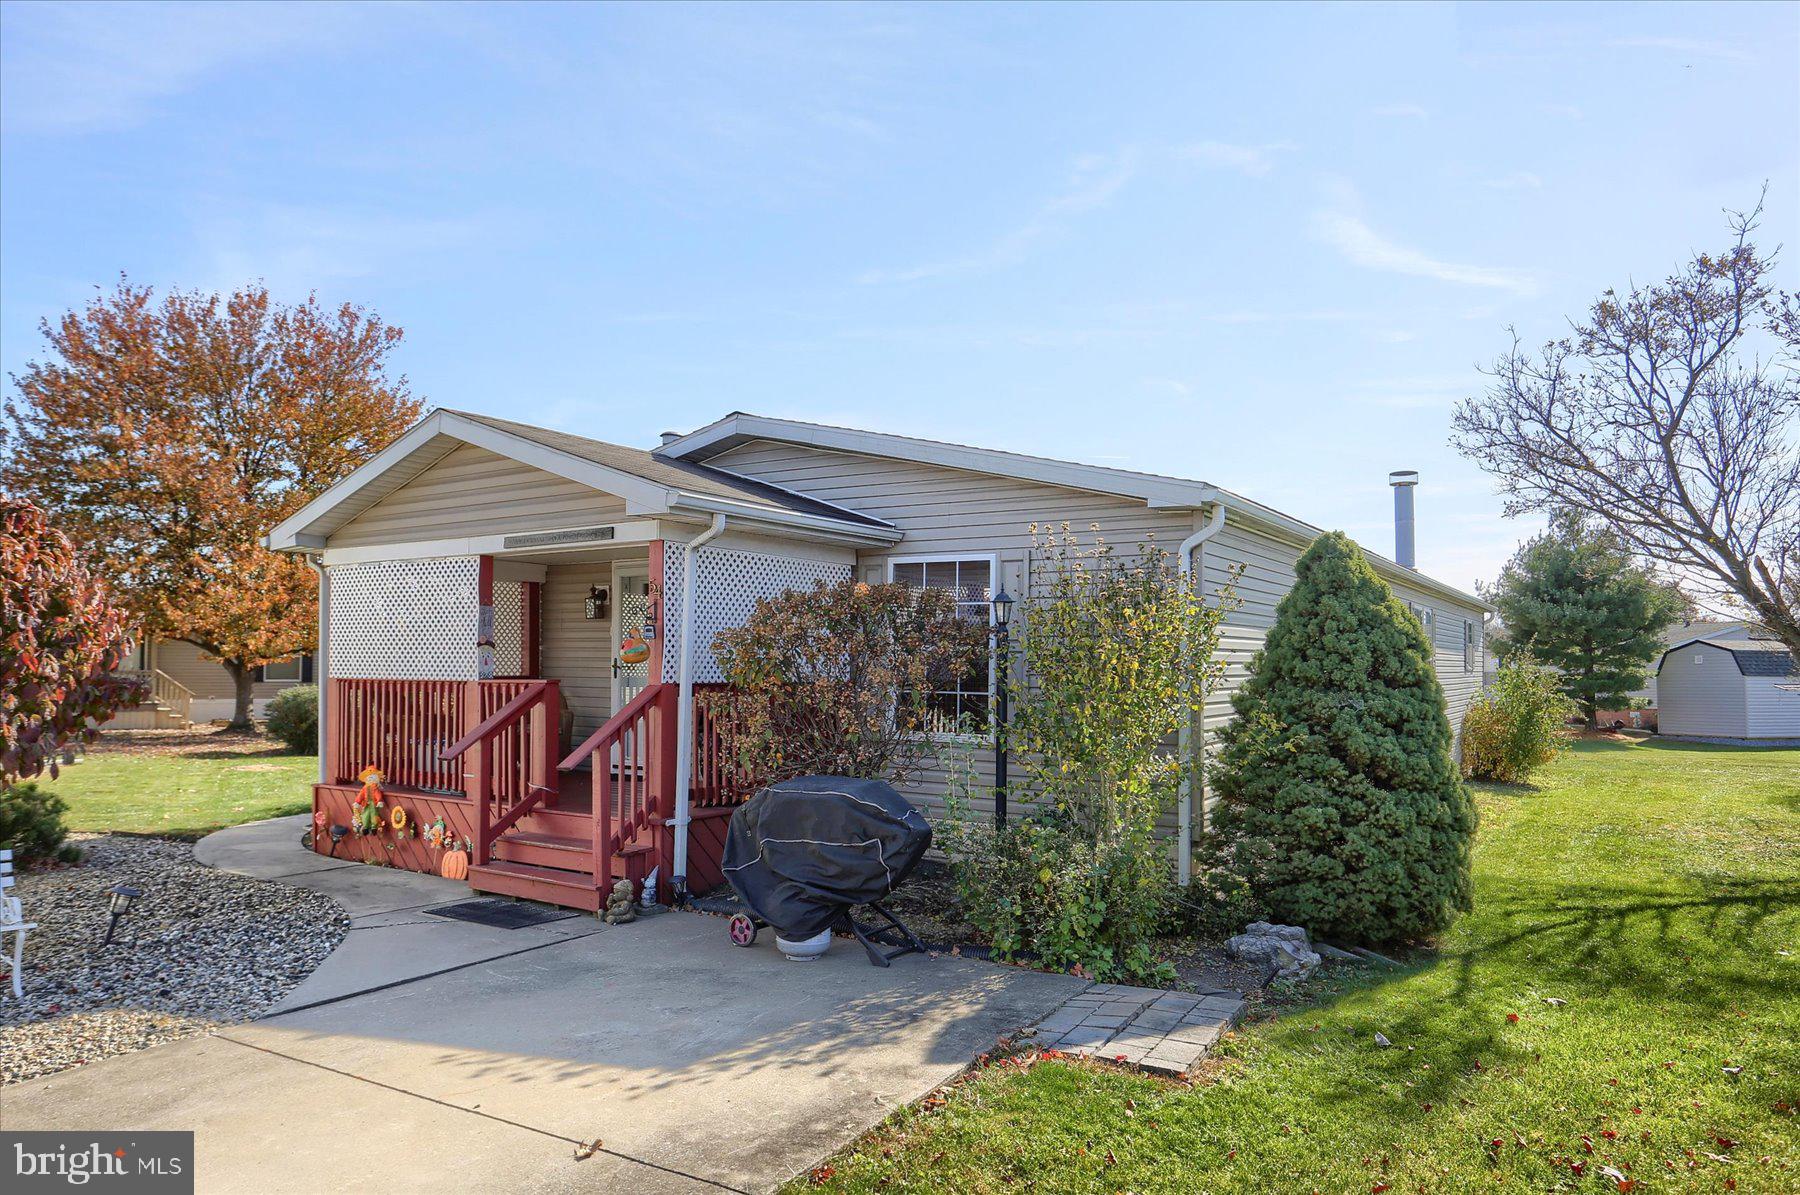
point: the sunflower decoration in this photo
(397, 819)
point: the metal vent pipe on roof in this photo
(1403, 481)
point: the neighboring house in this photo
(188, 687)
(481, 575)
(1733, 690)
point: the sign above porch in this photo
(546, 539)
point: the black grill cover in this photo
(800, 852)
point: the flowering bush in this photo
(1515, 726)
(835, 681)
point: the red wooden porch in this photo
(540, 822)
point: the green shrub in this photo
(1339, 801)
(1045, 891)
(31, 824)
(1515, 726)
(294, 718)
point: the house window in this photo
(959, 705)
(1469, 645)
(1426, 617)
(290, 670)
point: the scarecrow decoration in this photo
(366, 807)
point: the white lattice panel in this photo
(726, 588)
(404, 619)
(509, 628)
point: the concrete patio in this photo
(425, 1049)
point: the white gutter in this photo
(684, 705)
(321, 662)
(1184, 860)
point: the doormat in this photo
(503, 914)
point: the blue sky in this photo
(1263, 246)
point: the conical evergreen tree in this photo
(1340, 802)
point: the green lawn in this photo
(1653, 890)
(184, 786)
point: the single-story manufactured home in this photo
(1730, 690)
(187, 687)
(516, 623)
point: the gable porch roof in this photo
(649, 485)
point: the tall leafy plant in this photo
(1117, 653)
(1515, 726)
(836, 680)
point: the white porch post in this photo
(321, 664)
(684, 704)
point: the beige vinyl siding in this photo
(1772, 707)
(949, 512)
(578, 652)
(476, 492)
(952, 513)
(1701, 692)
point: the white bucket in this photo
(807, 949)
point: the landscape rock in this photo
(1283, 948)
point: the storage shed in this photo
(1733, 690)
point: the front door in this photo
(631, 629)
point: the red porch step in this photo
(571, 890)
(560, 851)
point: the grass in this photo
(1653, 889)
(184, 784)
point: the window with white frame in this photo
(1427, 619)
(1471, 645)
(961, 705)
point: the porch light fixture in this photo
(1003, 606)
(598, 603)
(118, 903)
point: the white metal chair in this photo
(12, 921)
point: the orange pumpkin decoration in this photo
(455, 865)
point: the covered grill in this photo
(802, 853)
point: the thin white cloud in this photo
(1400, 112)
(80, 68)
(297, 248)
(1095, 181)
(1518, 180)
(1251, 160)
(1561, 111)
(1693, 47)
(1343, 229)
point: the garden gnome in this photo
(620, 907)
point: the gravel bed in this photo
(200, 948)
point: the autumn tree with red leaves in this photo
(61, 638)
(167, 436)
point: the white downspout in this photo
(1184, 860)
(321, 673)
(684, 705)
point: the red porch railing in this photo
(718, 780)
(403, 727)
(509, 759)
(633, 756)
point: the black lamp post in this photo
(118, 903)
(1003, 605)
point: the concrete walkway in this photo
(426, 1051)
